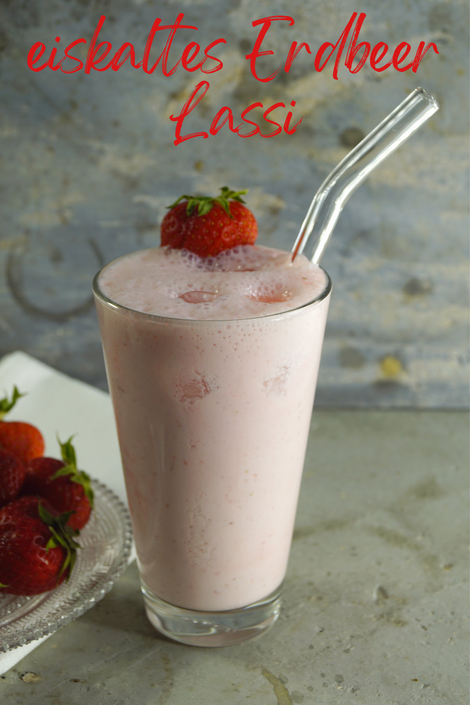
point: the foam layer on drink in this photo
(244, 282)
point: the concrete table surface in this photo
(375, 600)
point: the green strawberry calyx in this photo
(205, 203)
(62, 535)
(71, 470)
(7, 404)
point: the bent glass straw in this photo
(334, 192)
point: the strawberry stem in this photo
(70, 468)
(62, 535)
(6, 405)
(204, 204)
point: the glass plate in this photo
(106, 543)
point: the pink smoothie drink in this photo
(212, 367)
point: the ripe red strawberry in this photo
(208, 226)
(62, 484)
(37, 549)
(21, 438)
(12, 473)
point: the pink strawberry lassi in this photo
(212, 367)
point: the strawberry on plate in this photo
(66, 487)
(12, 474)
(37, 549)
(208, 226)
(19, 437)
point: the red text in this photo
(99, 51)
(225, 115)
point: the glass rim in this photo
(159, 317)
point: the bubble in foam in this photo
(244, 258)
(270, 292)
(270, 297)
(198, 297)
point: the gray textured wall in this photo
(89, 164)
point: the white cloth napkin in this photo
(62, 406)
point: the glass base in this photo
(212, 628)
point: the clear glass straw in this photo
(334, 192)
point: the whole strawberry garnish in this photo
(66, 487)
(21, 438)
(208, 226)
(12, 474)
(37, 548)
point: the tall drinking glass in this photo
(213, 419)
